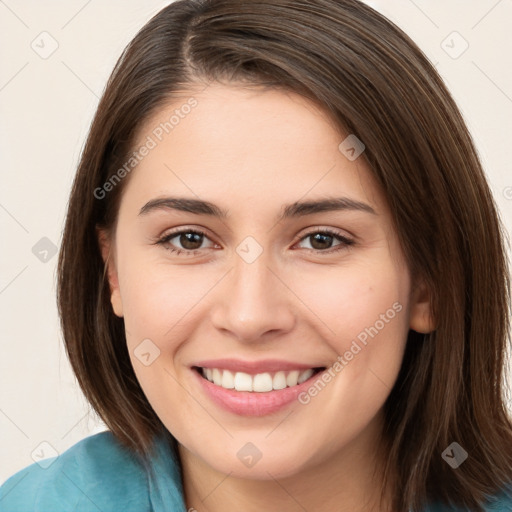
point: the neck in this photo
(349, 480)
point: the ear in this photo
(108, 255)
(421, 319)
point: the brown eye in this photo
(190, 240)
(322, 241)
(184, 241)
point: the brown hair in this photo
(377, 84)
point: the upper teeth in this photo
(260, 382)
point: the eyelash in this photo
(345, 242)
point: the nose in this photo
(253, 304)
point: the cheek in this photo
(348, 300)
(156, 295)
(159, 304)
(362, 314)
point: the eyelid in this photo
(164, 238)
(310, 231)
(326, 229)
(345, 242)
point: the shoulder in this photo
(97, 473)
(498, 502)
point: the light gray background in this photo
(46, 105)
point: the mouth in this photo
(253, 388)
(259, 382)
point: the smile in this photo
(253, 388)
(259, 382)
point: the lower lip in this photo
(253, 403)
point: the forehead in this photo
(247, 145)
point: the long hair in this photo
(376, 83)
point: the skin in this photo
(251, 151)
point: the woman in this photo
(282, 280)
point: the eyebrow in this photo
(296, 209)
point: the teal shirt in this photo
(98, 474)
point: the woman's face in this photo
(274, 287)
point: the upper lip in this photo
(254, 367)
